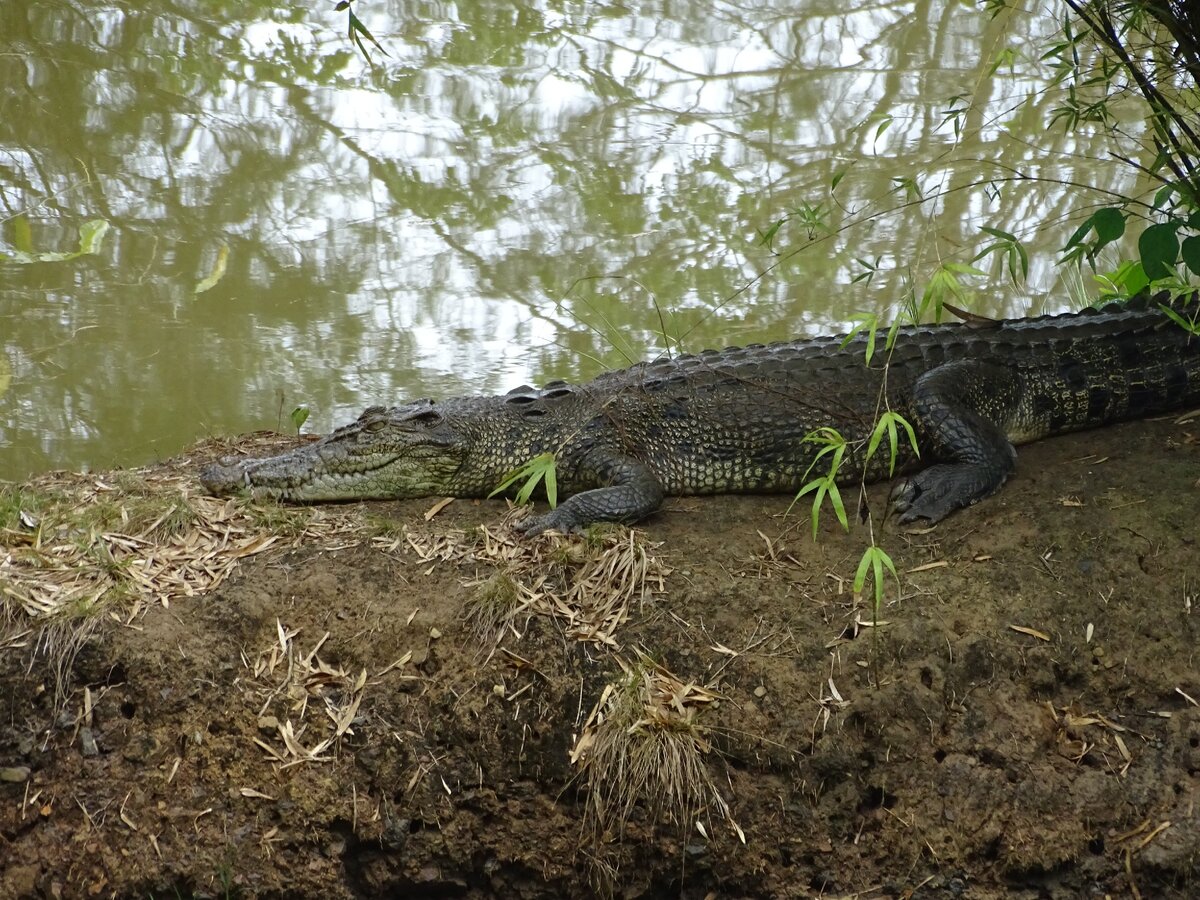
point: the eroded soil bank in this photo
(361, 715)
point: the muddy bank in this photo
(388, 706)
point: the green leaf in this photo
(860, 576)
(884, 125)
(769, 234)
(1078, 235)
(963, 269)
(1010, 249)
(869, 323)
(540, 468)
(91, 236)
(1134, 279)
(835, 497)
(551, 480)
(1159, 249)
(893, 333)
(299, 416)
(216, 273)
(1189, 251)
(1163, 196)
(1124, 281)
(874, 560)
(1192, 325)
(830, 441)
(1109, 223)
(1006, 57)
(887, 425)
(869, 270)
(358, 28)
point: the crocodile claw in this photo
(534, 525)
(934, 493)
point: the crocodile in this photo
(743, 419)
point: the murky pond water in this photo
(516, 192)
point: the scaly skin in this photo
(735, 420)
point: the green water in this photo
(517, 192)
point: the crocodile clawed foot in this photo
(533, 525)
(928, 495)
(934, 493)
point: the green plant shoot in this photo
(887, 425)
(542, 468)
(299, 416)
(832, 445)
(874, 561)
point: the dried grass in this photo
(78, 550)
(642, 747)
(293, 679)
(589, 587)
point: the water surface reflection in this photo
(519, 192)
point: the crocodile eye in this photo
(374, 426)
(428, 419)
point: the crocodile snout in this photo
(223, 477)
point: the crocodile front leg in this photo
(629, 492)
(960, 409)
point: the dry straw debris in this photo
(589, 586)
(294, 678)
(643, 748)
(76, 550)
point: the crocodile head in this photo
(406, 451)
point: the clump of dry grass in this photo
(643, 748)
(589, 586)
(492, 606)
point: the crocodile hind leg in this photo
(961, 409)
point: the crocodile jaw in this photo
(304, 476)
(384, 455)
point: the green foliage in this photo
(909, 185)
(1135, 51)
(942, 286)
(1162, 247)
(541, 469)
(216, 273)
(1006, 58)
(1009, 249)
(874, 561)
(357, 30)
(881, 121)
(955, 113)
(91, 236)
(1075, 112)
(868, 272)
(1127, 279)
(299, 416)
(887, 425)
(1158, 247)
(813, 218)
(868, 322)
(833, 446)
(1107, 225)
(1188, 323)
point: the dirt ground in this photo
(416, 708)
